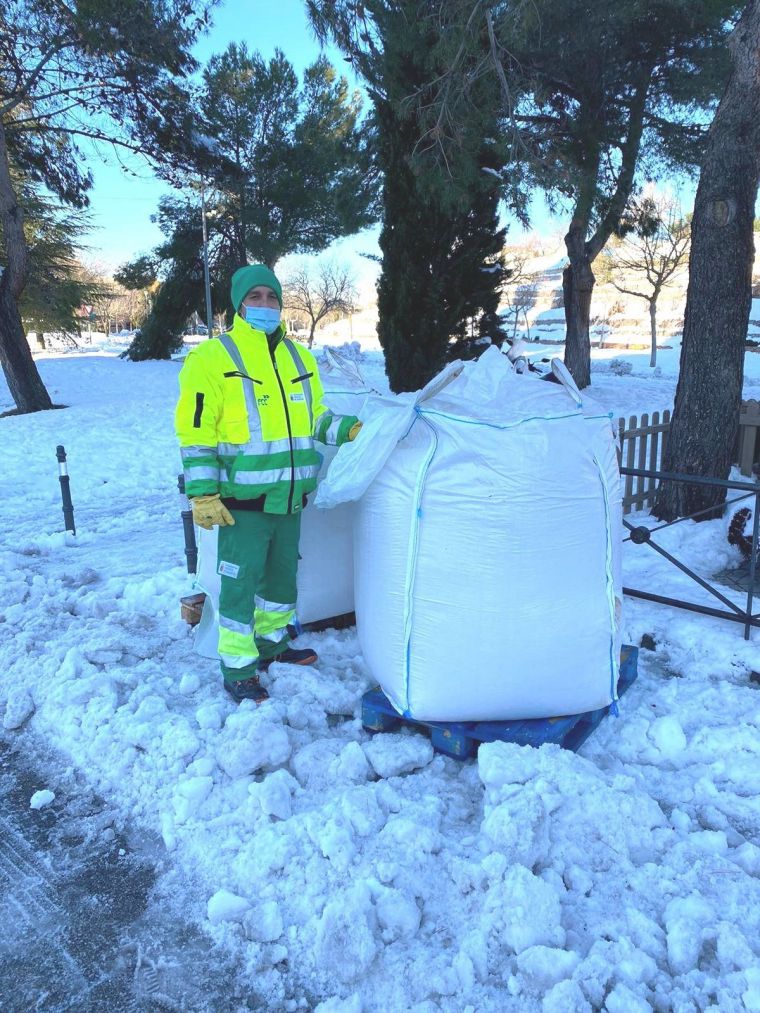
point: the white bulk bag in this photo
(385, 420)
(487, 553)
(326, 568)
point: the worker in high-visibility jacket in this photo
(249, 410)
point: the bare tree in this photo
(649, 257)
(105, 294)
(520, 288)
(524, 299)
(318, 294)
(130, 307)
(601, 325)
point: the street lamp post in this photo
(206, 276)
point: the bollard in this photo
(63, 478)
(191, 548)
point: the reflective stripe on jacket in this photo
(247, 418)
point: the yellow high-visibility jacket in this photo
(247, 418)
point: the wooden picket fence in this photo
(642, 441)
(641, 444)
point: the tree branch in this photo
(35, 120)
(628, 291)
(33, 78)
(79, 88)
(73, 131)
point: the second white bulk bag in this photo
(487, 558)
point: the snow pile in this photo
(41, 798)
(352, 873)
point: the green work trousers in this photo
(258, 562)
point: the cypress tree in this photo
(441, 240)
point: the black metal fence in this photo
(641, 535)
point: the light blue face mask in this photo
(263, 318)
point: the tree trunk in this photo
(24, 381)
(577, 288)
(310, 339)
(719, 295)
(653, 330)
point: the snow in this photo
(367, 873)
(394, 754)
(41, 798)
(19, 707)
(226, 907)
(211, 144)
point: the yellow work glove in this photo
(209, 510)
(353, 432)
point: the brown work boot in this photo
(291, 656)
(246, 689)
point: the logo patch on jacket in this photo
(297, 397)
(229, 569)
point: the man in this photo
(250, 407)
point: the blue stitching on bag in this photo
(415, 549)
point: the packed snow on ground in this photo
(348, 873)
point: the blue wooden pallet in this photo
(461, 739)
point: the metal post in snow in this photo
(191, 547)
(63, 478)
(752, 564)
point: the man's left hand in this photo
(354, 431)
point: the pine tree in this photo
(288, 171)
(111, 72)
(591, 92)
(181, 291)
(56, 289)
(705, 419)
(600, 89)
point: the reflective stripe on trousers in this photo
(237, 641)
(257, 561)
(271, 618)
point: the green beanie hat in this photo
(248, 277)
